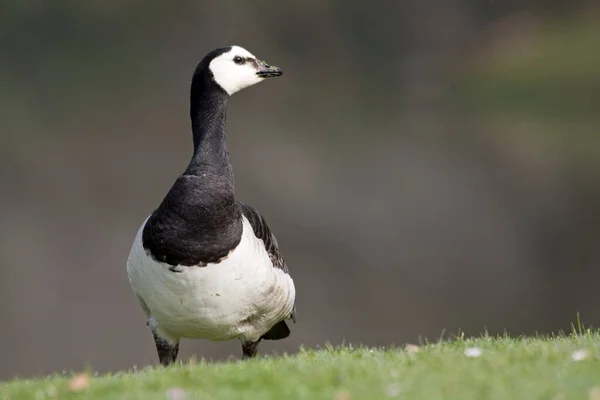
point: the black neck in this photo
(199, 222)
(208, 112)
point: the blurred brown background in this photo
(427, 166)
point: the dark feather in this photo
(279, 331)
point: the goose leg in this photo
(249, 349)
(167, 351)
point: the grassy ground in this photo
(558, 368)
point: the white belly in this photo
(242, 296)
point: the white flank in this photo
(242, 296)
(231, 76)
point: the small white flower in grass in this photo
(411, 348)
(393, 390)
(473, 352)
(51, 392)
(176, 394)
(580, 355)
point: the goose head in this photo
(235, 68)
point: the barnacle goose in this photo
(204, 265)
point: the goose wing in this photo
(263, 232)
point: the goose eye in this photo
(238, 60)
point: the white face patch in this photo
(231, 76)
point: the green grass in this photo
(507, 369)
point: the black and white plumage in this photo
(204, 265)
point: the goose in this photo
(204, 265)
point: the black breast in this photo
(190, 228)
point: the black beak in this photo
(267, 71)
